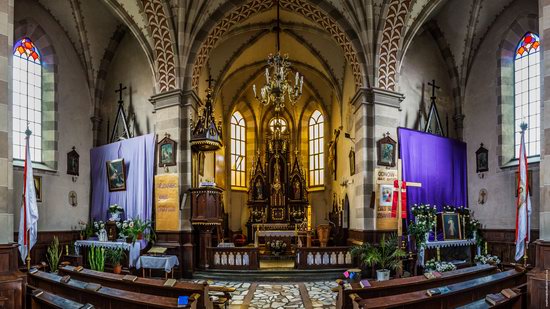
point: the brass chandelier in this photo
(278, 89)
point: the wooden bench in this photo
(153, 286)
(517, 302)
(410, 284)
(459, 293)
(105, 297)
(40, 299)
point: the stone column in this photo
(173, 112)
(536, 279)
(376, 111)
(6, 172)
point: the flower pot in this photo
(383, 274)
(139, 236)
(117, 269)
(323, 233)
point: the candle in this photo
(485, 248)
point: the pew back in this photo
(105, 297)
(410, 284)
(459, 293)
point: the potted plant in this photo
(54, 254)
(115, 257)
(387, 255)
(96, 258)
(137, 229)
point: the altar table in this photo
(133, 249)
(444, 244)
(273, 233)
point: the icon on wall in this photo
(116, 175)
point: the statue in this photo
(297, 190)
(259, 190)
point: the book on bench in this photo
(183, 301)
(364, 283)
(130, 278)
(432, 274)
(508, 293)
(78, 268)
(93, 287)
(87, 306)
(170, 282)
(495, 299)
(33, 271)
(37, 293)
(437, 291)
(65, 279)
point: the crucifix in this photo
(433, 88)
(210, 80)
(119, 90)
(399, 192)
(433, 114)
(120, 115)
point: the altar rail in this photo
(327, 257)
(245, 258)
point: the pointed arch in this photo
(238, 150)
(316, 149)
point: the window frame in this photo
(316, 175)
(235, 138)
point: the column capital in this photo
(96, 122)
(175, 97)
(377, 96)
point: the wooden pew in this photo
(410, 284)
(460, 293)
(105, 297)
(149, 285)
(517, 302)
(40, 299)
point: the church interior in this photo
(274, 154)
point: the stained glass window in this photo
(238, 150)
(27, 99)
(316, 149)
(278, 122)
(527, 93)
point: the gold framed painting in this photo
(450, 223)
(116, 175)
(38, 187)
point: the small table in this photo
(133, 249)
(166, 262)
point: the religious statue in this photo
(259, 190)
(277, 186)
(297, 190)
(332, 154)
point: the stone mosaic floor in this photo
(257, 295)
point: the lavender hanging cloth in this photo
(439, 164)
(139, 158)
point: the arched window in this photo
(316, 149)
(238, 150)
(527, 93)
(278, 122)
(27, 99)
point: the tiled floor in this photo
(281, 295)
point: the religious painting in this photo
(167, 152)
(386, 151)
(386, 195)
(451, 226)
(38, 188)
(352, 162)
(73, 162)
(116, 175)
(529, 182)
(482, 159)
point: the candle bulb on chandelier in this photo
(254, 89)
(296, 79)
(267, 74)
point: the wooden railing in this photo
(233, 258)
(327, 257)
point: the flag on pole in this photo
(523, 203)
(29, 212)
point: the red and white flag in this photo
(523, 203)
(28, 220)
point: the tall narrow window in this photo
(316, 149)
(527, 93)
(27, 99)
(238, 150)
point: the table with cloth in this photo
(133, 249)
(165, 262)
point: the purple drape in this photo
(139, 157)
(438, 163)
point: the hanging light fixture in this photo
(278, 89)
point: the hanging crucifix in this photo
(433, 124)
(120, 116)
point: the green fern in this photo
(53, 254)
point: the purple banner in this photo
(439, 164)
(139, 159)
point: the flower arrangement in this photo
(86, 230)
(425, 218)
(487, 259)
(449, 208)
(114, 212)
(98, 226)
(277, 246)
(440, 266)
(137, 229)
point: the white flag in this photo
(29, 212)
(523, 203)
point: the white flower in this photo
(131, 224)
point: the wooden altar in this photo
(277, 191)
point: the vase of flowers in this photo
(481, 259)
(424, 222)
(114, 212)
(439, 266)
(276, 247)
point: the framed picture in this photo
(116, 175)
(386, 151)
(529, 182)
(38, 188)
(73, 162)
(167, 151)
(451, 226)
(386, 195)
(482, 159)
(352, 162)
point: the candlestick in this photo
(485, 248)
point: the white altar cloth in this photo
(133, 249)
(166, 262)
